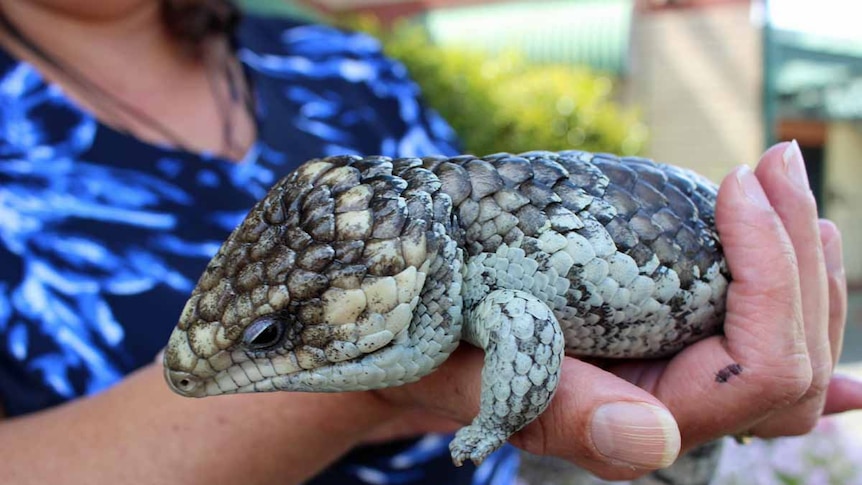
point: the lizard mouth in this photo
(231, 372)
(189, 385)
(392, 363)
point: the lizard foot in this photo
(523, 346)
(474, 443)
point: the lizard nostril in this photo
(184, 383)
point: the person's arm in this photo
(139, 432)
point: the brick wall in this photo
(697, 75)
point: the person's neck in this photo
(138, 78)
(96, 36)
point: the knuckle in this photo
(802, 425)
(799, 419)
(798, 382)
(821, 377)
(788, 381)
(796, 424)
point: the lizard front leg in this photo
(524, 347)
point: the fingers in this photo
(597, 420)
(727, 384)
(786, 185)
(830, 238)
(770, 373)
(763, 262)
(844, 394)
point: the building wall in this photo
(843, 196)
(697, 75)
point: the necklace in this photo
(219, 63)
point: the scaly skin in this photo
(363, 273)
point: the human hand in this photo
(768, 375)
(787, 307)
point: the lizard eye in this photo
(265, 332)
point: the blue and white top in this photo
(103, 236)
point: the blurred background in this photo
(706, 84)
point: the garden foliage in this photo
(502, 102)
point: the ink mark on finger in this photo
(725, 374)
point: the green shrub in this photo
(504, 103)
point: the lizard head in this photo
(315, 287)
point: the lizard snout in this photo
(184, 383)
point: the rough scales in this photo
(359, 273)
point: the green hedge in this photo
(504, 103)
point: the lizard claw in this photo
(474, 443)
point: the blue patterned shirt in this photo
(102, 236)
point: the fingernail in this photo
(636, 434)
(794, 165)
(751, 186)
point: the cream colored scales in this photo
(360, 273)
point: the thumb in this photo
(597, 420)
